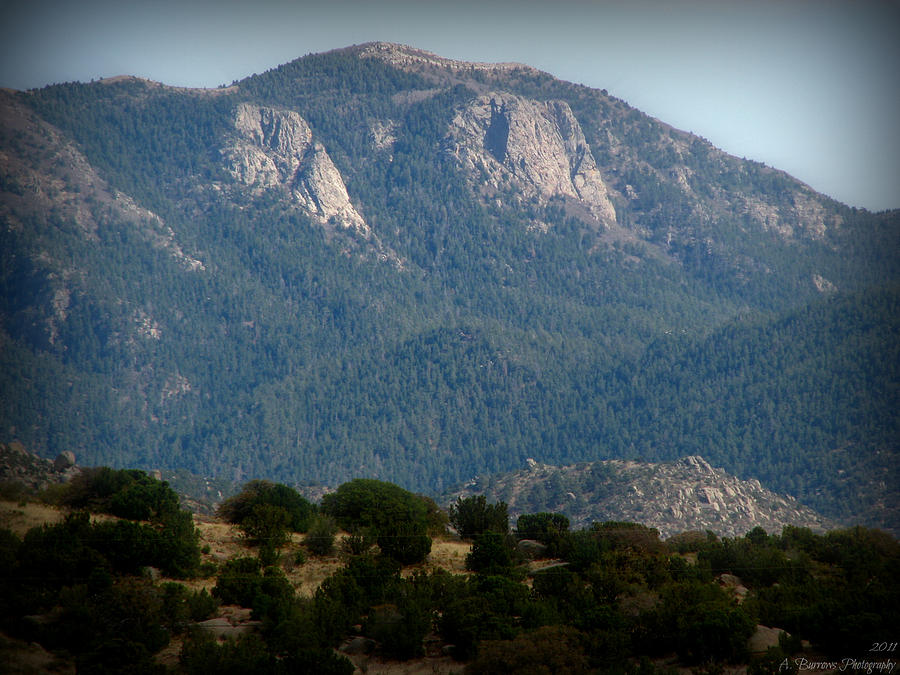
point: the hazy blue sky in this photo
(808, 86)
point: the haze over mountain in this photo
(380, 262)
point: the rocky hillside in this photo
(674, 497)
(22, 471)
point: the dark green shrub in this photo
(473, 516)
(405, 542)
(61, 554)
(358, 542)
(126, 493)
(267, 525)
(398, 518)
(127, 545)
(377, 578)
(400, 629)
(239, 508)
(115, 630)
(275, 596)
(144, 498)
(547, 528)
(201, 655)
(9, 549)
(319, 661)
(632, 536)
(556, 582)
(435, 516)
(551, 649)
(700, 622)
(687, 542)
(179, 550)
(366, 502)
(239, 582)
(582, 549)
(491, 554)
(488, 609)
(319, 540)
(201, 605)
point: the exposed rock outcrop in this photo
(536, 148)
(275, 148)
(763, 638)
(64, 460)
(680, 496)
(233, 622)
(18, 466)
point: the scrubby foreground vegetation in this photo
(124, 580)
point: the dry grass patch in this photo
(306, 578)
(225, 541)
(20, 517)
(446, 554)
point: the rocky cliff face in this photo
(276, 149)
(673, 497)
(536, 149)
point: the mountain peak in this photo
(410, 58)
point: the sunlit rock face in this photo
(276, 148)
(536, 148)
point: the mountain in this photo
(687, 495)
(379, 262)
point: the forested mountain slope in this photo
(377, 262)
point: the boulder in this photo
(735, 585)
(17, 448)
(536, 147)
(223, 628)
(763, 638)
(64, 460)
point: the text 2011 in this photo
(883, 647)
